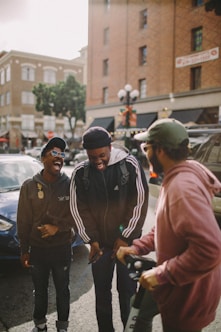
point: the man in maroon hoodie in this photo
(186, 283)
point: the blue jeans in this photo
(102, 272)
(60, 269)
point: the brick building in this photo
(168, 50)
(20, 123)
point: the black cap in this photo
(96, 137)
(55, 142)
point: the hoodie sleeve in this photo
(24, 218)
(137, 203)
(79, 208)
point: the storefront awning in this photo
(144, 121)
(186, 116)
(107, 123)
(29, 134)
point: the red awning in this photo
(3, 140)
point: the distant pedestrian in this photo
(186, 283)
(44, 225)
(109, 198)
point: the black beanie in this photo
(96, 137)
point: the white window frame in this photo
(27, 122)
(28, 72)
(8, 73)
(143, 88)
(50, 75)
(27, 98)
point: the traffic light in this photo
(213, 5)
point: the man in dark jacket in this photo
(109, 199)
(44, 225)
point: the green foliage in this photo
(65, 98)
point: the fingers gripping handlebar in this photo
(138, 264)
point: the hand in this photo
(123, 251)
(148, 280)
(48, 230)
(117, 244)
(25, 260)
(95, 252)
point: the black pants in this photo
(148, 309)
(102, 272)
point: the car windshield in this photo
(13, 174)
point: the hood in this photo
(9, 204)
(39, 178)
(207, 178)
(117, 154)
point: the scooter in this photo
(136, 265)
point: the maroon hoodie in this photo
(187, 241)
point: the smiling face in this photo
(99, 158)
(52, 164)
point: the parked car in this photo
(34, 152)
(208, 153)
(14, 169)
(81, 156)
(69, 155)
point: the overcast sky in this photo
(56, 28)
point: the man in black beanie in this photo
(108, 201)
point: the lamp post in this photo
(128, 97)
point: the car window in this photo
(13, 174)
(214, 155)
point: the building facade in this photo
(20, 123)
(169, 50)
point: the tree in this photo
(65, 98)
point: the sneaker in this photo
(38, 329)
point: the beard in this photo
(157, 166)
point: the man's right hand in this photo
(123, 251)
(25, 260)
(95, 252)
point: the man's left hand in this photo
(148, 280)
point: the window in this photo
(27, 122)
(143, 19)
(28, 98)
(106, 36)
(2, 100)
(8, 73)
(49, 122)
(50, 76)
(105, 67)
(195, 78)
(143, 88)
(2, 77)
(105, 95)
(142, 55)
(197, 38)
(8, 98)
(28, 73)
(197, 3)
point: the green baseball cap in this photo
(169, 133)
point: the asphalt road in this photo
(16, 300)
